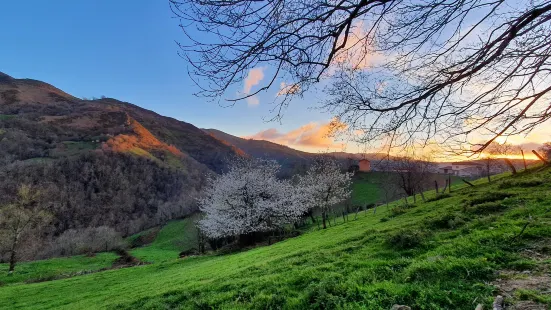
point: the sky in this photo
(127, 50)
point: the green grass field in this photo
(365, 189)
(7, 116)
(174, 237)
(442, 254)
(44, 270)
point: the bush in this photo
(406, 239)
(88, 240)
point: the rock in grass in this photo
(498, 303)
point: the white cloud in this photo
(253, 101)
(254, 77)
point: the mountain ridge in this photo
(101, 162)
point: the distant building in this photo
(365, 165)
(462, 169)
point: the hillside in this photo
(100, 162)
(293, 160)
(452, 252)
(88, 119)
(289, 158)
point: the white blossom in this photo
(249, 198)
(324, 185)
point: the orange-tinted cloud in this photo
(253, 78)
(310, 136)
(357, 52)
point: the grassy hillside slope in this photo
(176, 236)
(448, 253)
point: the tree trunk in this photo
(13, 255)
(523, 159)
(422, 195)
(436, 185)
(324, 218)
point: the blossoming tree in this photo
(324, 185)
(249, 198)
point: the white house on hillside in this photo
(462, 169)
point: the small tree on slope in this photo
(25, 215)
(324, 185)
(248, 198)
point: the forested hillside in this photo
(101, 162)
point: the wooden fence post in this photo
(523, 159)
(436, 186)
(511, 166)
(540, 157)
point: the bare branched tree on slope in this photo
(416, 71)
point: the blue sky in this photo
(126, 50)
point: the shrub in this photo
(88, 240)
(406, 239)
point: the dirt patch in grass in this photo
(511, 281)
(528, 305)
(144, 239)
(528, 289)
(125, 260)
(525, 290)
